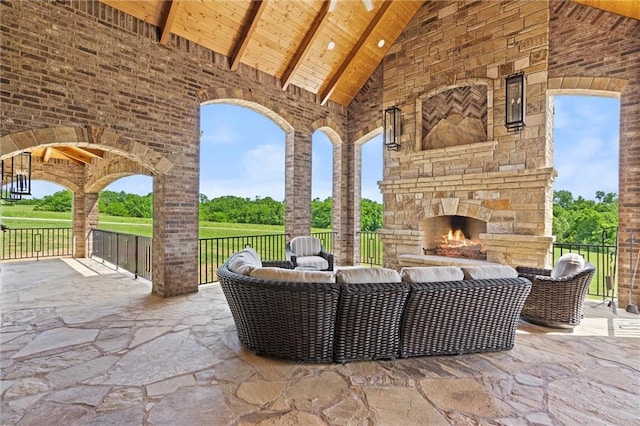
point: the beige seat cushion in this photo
(315, 261)
(289, 275)
(487, 272)
(431, 274)
(367, 275)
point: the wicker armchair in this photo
(289, 320)
(307, 251)
(555, 302)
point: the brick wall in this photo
(599, 52)
(84, 65)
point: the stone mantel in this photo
(505, 179)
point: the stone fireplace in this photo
(458, 176)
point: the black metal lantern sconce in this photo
(16, 177)
(392, 128)
(515, 108)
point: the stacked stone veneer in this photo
(505, 180)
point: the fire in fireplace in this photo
(449, 239)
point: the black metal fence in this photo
(214, 251)
(126, 251)
(29, 243)
(133, 252)
(370, 249)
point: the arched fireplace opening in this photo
(454, 236)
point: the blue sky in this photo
(242, 154)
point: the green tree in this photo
(321, 213)
(370, 215)
(578, 220)
(61, 201)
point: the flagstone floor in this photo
(84, 345)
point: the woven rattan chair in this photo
(307, 251)
(555, 302)
(290, 320)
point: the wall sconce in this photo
(392, 128)
(515, 102)
(16, 177)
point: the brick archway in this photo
(616, 88)
(85, 181)
(87, 136)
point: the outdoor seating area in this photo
(90, 345)
(370, 313)
(456, 321)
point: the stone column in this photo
(85, 217)
(175, 231)
(298, 183)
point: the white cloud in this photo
(264, 162)
(219, 133)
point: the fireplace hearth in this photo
(475, 252)
(454, 236)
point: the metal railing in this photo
(127, 251)
(213, 252)
(29, 243)
(370, 249)
(133, 252)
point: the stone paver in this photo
(100, 349)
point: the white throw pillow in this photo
(290, 275)
(244, 262)
(367, 275)
(431, 274)
(568, 264)
(487, 272)
(250, 251)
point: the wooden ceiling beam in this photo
(325, 94)
(168, 22)
(304, 47)
(248, 28)
(75, 154)
(47, 154)
(95, 153)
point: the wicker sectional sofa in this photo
(320, 320)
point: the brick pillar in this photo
(175, 231)
(342, 220)
(85, 217)
(298, 184)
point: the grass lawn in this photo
(18, 216)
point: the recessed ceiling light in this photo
(331, 45)
(381, 42)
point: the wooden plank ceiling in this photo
(290, 40)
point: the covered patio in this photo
(84, 343)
